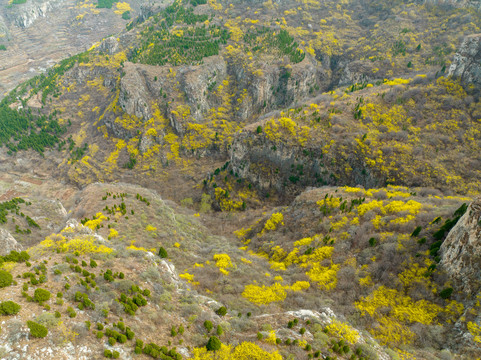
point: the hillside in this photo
(280, 175)
(36, 34)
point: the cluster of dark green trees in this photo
(189, 48)
(264, 37)
(105, 4)
(22, 130)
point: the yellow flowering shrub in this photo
(8, 266)
(263, 295)
(243, 351)
(390, 331)
(189, 278)
(453, 310)
(113, 233)
(402, 306)
(285, 128)
(223, 261)
(398, 205)
(475, 330)
(366, 281)
(96, 221)
(403, 310)
(343, 331)
(271, 338)
(150, 228)
(330, 202)
(278, 266)
(303, 242)
(272, 223)
(300, 285)
(83, 244)
(324, 276)
(364, 208)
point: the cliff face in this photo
(461, 251)
(458, 3)
(273, 87)
(24, 15)
(8, 243)
(467, 62)
(287, 168)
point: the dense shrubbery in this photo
(84, 300)
(162, 253)
(9, 308)
(160, 45)
(21, 130)
(213, 344)
(37, 330)
(161, 352)
(41, 295)
(6, 278)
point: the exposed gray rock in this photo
(272, 86)
(288, 168)
(134, 93)
(8, 243)
(467, 61)
(24, 15)
(3, 27)
(457, 3)
(461, 251)
(109, 45)
(356, 72)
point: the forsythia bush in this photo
(324, 276)
(84, 244)
(272, 222)
(403, 308)
(96, 221)
(244, 351)
(223, 261)
(300, 285)
(343, 331)
(113, 233)
(264, 295)
(392, 327)
(475, 330)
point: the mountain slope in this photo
(320, 152)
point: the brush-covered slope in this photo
(180, 93)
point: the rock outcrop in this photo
(135, 95)
(467, 61)
(457, 3)
(288, 168)
(274, 86)
(8, 243)
(461, 251)
(24, 15)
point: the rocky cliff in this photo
(287, 168)
(467, 62)
(276, 86)
(458, 3)
(461, 251)
(24, 15)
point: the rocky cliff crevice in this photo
(461, 251)
(288, 169)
